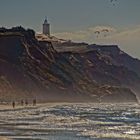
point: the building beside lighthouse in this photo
(46, 27)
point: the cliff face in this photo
(100, 68)
(127, 68)
(119, 57)
(34, 69)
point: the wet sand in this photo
(76, 121)
(4, 138)
(9, 106)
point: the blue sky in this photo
(73, 16)
(69, 14)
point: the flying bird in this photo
(113, 2)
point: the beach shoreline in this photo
(9, 106)
(4, 138)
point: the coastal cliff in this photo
(32, 68)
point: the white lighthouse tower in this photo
(46, 27)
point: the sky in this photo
(78, 20)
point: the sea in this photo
(72, 121)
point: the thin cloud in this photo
(127, 39)
(84, 35)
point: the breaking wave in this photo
(72, 121)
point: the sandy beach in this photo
(9, 106)
(4, 138)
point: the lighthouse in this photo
(46, 27)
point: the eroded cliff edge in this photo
(31, 68)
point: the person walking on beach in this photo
(13, 104)
(34, 102)
(26, 102)
(22, 102)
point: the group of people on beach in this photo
(26, 103)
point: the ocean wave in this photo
(77, 121)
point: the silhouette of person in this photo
(34, 102)
(22, 102)
(26, 102)
(13, 104)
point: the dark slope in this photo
(126, 68)
(119, 57)
(33, 69)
